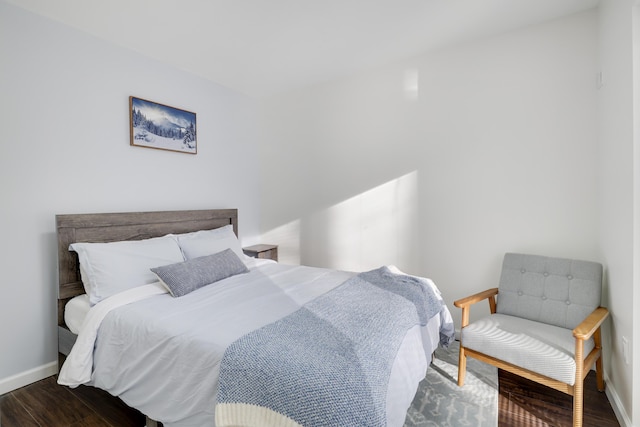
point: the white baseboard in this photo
(616, 405)
(27, 377)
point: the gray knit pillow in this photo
(187, 276)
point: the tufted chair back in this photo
(556, 291)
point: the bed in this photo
(215, 354)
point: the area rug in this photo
(439, 401)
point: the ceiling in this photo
(263, 47)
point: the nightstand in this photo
(262, 251)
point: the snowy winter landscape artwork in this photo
(156, 125)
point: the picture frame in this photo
(159, 126)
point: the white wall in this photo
(442, 163)
(64, 148)
(618, 160)
(634, 287)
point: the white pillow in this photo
(109, 268)
(209, 242)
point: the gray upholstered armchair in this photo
(544, 326)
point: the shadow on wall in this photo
(376, 227)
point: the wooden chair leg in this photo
(599, 375)
(597, 338)
(578, 399)
(462, 366)
(578, 387)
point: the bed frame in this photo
(111, 227)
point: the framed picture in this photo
(155, 125)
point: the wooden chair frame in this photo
(590, 327)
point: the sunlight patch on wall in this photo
(411, 83)
(377, 227)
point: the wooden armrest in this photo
(590, 325)
(472, 299)
(466, 303)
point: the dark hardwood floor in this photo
(46, 404)
(525, 403)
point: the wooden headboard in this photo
(111, 227)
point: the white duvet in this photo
(161, 354)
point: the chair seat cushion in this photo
(545, 349)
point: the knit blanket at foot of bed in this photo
(328, 363)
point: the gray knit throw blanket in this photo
(328, 363)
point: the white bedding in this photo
(161, 355)
(75, 312)
(77, 308)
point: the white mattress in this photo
(161, 355)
